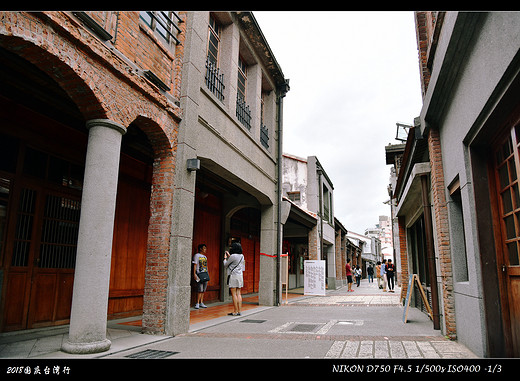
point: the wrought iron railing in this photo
(214, 80)
(243, 112)
(264, 136)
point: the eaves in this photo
(458, 30)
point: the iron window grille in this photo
(243, 112)
(163, 23)
(214, 79)
(264, 136)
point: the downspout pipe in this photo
(319, 171)
(282, 91)
(430, 249)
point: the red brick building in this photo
(90, 113)
(93, 220)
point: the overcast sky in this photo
(353, 76)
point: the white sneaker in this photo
(197, 306)
(203, 305)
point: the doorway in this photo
(507, 208)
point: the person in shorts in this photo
(348, 270)
(235, 263)
(200, 264)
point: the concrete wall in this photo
(490, 49)
(211, 132)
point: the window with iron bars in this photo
(214, 79)
(164, 23)
(264, 131)
(243, 113)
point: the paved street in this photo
(366, 323)
(360, 332)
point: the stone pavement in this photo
(366, 323)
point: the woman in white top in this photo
(235, 263)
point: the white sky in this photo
(353, 76)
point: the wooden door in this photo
(507, 171)
(245, 227)
(251, 251)
(129, 245)
(207, 229)
(42, 259)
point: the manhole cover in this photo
(252, 321)
(304, 327)
(151, 354)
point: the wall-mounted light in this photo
(193, 164)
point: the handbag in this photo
(203, 276)
(231, 272)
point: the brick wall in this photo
(148, 51)
(442, 231)
(403, 251)
(422, 29)
(104, 85)
(313, 243)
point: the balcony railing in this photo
(214, 80)
(243, 113)
(264, 136)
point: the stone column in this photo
(267, 284)
(88, 320)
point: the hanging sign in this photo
(314, 277)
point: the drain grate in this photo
(252, 321)
(304, 327)
(151, 354)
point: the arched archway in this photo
(150, 139)
(48, 61)
(44, 139)
(72, 88)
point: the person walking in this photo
(390, 271)
(370, 273)
(348, 270)
(234, 262)
(383, 274)
(378, 274)
(358, 275)
(200, 274)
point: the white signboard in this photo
(314, 278)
